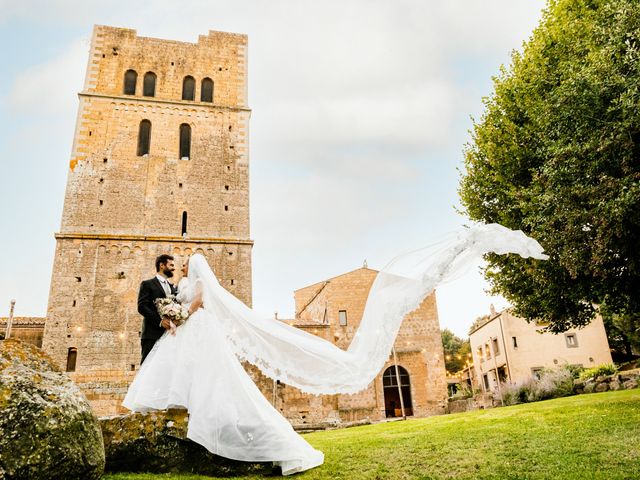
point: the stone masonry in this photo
(26, 329)
(418, 348)
(123, 207)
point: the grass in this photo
(595, 436)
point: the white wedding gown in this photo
(228, 415)
(199, 367)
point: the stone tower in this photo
(159, 164)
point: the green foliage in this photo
(576, 370)
(623, 333)
(572, 438)
(464, 391)
(595, 372)
(515, 394)
(552, 384)
(456, 351)
(556, 154)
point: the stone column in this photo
(10, 320)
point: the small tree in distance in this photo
(456, 351)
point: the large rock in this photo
(627, 375)
(602, 387)
(157, 442)
(47, 428)
(630, 384)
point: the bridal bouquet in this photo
(169, 308)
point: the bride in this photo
(198, 367)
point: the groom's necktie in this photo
(166, 287)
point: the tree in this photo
(455, 351)
(478, 322)
(557, 155)
(623, 334)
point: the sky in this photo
(360, 114)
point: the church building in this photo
(160, 164)
(332, 309)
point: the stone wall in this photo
(625, 380)
(477, 402)
(93, 301)
(27, 329)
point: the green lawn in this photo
(595, 436)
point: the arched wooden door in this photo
(392, 395)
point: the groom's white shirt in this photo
(165, 284)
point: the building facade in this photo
(508, 349)
(332, 309)
(26, 329)
(159, 164)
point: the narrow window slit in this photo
(184, 223)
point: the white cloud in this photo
(406, 118)
(51, 87)
(349, 101)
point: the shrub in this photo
(575, 370)
(515, 394)
(551, 384)
(595, 372)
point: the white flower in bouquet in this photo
(169, 308)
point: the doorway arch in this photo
(392, 395)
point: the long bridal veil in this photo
(315, 365)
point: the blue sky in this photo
(360, 113)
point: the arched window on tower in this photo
(130, 79)
(206, 90)
(72, 356)
(185, 141)
(149, 85)
(144, 138)
(184, 224)
(188, 88)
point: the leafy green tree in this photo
(623, 334)
(456, 351)
(557, 155)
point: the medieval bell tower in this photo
(159, 164)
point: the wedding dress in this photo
(228, 415)
(199, 367)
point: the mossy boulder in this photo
(47, 427)
(156, 442)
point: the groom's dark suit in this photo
(151, 328)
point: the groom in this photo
(157, 287)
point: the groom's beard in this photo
(168, 273)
